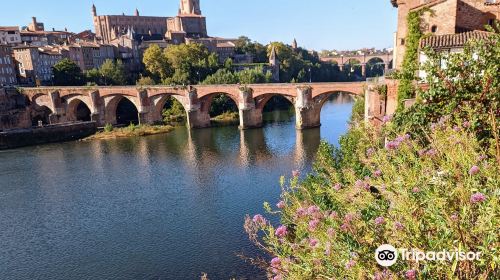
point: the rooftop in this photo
(9, 28)
(453, 40)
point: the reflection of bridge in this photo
(385, 59)
(62, 103)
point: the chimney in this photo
(53, 29)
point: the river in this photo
(160, 207)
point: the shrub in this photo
(108, 127)
(436, 196)
(132, 127)
(470, 79)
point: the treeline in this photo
(195, 64)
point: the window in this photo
(434, 29)
(402, 42)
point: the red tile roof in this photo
(9, 28)
(453, 40)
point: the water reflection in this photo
(161, 207)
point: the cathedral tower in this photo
(190, 7)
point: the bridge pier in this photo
(250, 116)
(305, 111)
(196, 117)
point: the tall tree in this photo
(67, 73)
(156, 63)
(113, 72)
(191, 63)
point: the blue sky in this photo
(317, 24)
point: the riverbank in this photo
(226, 119)
(130, 131)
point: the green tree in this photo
(145, 81)
(93, 77)
(67, 73)
(244, 45)
(222, 76)
(113, 73)
(191, 63)
(156, 63)
(174, 112)
(253, 76)
(228, 64)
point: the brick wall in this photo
(475, 14)
(441, 19)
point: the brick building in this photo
(7, 68)
(35, 63)
(10, 35)
(445, 17)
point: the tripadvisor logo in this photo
(386, 255)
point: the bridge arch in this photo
(320, 99)
(41, 113)
(121, 109)
(263, 100)
(78, 107)
(208, 100)
(375, 67)
(42, 99)
(160, 100)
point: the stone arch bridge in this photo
(385, 59)
(62, 102)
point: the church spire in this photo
(188, 7)
(94, 10)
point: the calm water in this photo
(160, 207)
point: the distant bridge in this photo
(385, 59)
(61, 104)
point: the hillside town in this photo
(28, 53)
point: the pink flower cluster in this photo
(427, 152)
(394, 144)
(350, 264)
(281, 231)
(398, 226)
(258, 219)
(313, 224)
(362, 184)
(411, 274)
(477, 198)
(474, 170)
(281, 204)
(379, 221)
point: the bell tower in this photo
(190, 7)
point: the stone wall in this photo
(49, 134)
(14, 111)
(378, 103)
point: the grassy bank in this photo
(227, 118)
(130, 131)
